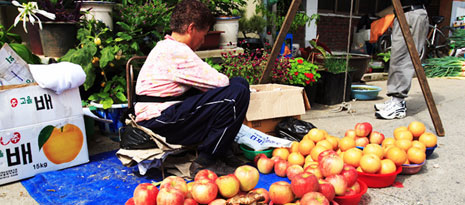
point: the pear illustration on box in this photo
(61, 144)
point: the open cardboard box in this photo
(271, 103)
(32, 117)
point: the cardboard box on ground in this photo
(39, 130)
(271, 103)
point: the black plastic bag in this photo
(293, 129)
(135, 138)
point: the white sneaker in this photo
(392, 110)
(381, 106)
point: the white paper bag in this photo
(258, 140)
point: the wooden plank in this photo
(265, 78)
(418, 68)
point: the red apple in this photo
(314, 198)
(190, 202)
(315, 170)
(280, 168)
(265, 165)
(170, 196)
(248, 177)
(281, 192)
(361, 141)
(204, 191)
(293, 170)
(131, 201)
(228, 185)
(325, 153)
(303, 183)
(356, 187)
(189, 189)
(376, 137)
(145, 193)
(218, 202)
(350, 174)
(339, 183)
(264, 192)
(350, 192)
(205, 174)
(327, 189)
(257, 157)
(275, 159)
(331, 165)
(175, 182)
(363, 129)
(350, 133)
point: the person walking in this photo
(401, 70)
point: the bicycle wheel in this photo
(441, 42)
(384, 43)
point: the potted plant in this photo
(255, 25)
(59, 35)
(100, 10)
(330, 88)
(227, 19)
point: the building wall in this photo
(334, 30)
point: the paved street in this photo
(441, 181)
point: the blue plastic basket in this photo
(369, 94)
(430, 150)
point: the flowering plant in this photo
(297, 72)
(249, 65)
(27, 12)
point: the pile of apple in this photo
(207, 188)
(320, 180)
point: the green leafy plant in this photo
(114, 91)
(385, 56)
(99, 53)
(14, 41)
(142, 24)
(248, 65)
(299, 72)
(225, 7)
(336, 65)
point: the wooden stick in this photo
(418, 68)
(279, 40)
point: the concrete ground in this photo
(441, 180)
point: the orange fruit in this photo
(370, 163)
(419, 145)
(308, 163)
(359, 169)
(401, 128)
(403, 134)
(387, 166)
(334, 141)
(388, 141)
(416, 128)
(404, 144)
(375, 149)
(325, 143)
(316, 151)
(294, 147)
(386, 148)
(428, 139)
(296, 158)
(306, 146)
(316, 135)
(62, 144)
(416, 155)
(353, 156)
(397, 155)
(309, 159)
(281, 152)
(346, 143)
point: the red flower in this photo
(296, 73)
(300, 61)
(307, 82)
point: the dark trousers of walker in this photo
(210, 120)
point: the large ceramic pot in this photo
(212, 40)
(100, 10)
(230, 26)
(57, 37)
